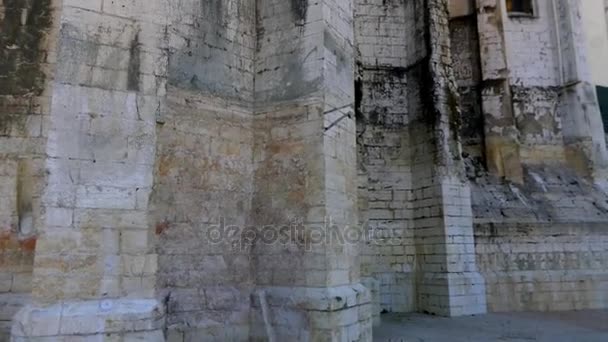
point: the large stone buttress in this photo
(95, 265)
(415, 202)
(304, 160)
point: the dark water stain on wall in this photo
(299, 10)
(200, 64)
(23, 28)
(134, 65)
(534, 109)
(383, 92)
(22, 32)
(358, 99)
(213, 11)
(293, 82)
(392, 3)
(332, 45)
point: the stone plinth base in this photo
(452, 294)
(312, 314)
(98, 320)
(10, 304)
(373, 285)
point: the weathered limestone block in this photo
(448, 281)
(312, 314)
(373, 286)
(532, 252)
(561, 270)
(95, 264)
(27, 32)
(98, 320)
(305, 172)
(389, 37)
(203, 172)
(466, 61)
(585, 146)
(203, 185)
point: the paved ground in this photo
(575, 326)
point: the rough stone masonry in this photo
(273, 170)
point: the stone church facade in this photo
(273, 170)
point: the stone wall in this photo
(203, 172)
(203, 186)
(521, 259)
(307, 276)
(449, 283)
(532, 47)
(409, 161)
(543, 266)
(100, 151)
(595, 23)
(542, 246)
(467, 71)
(534, 66)
(212, 47)
(94, 238)
(26, 37)
(388, 63)
(287, 65)
(215, 167)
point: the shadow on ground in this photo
(571, 326)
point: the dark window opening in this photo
(602, 98)
(520, 7)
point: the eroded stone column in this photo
(95, 265)
(308, 285)
(501, 137)
(448, 279)
(583, 131)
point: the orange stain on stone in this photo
(283, 147)
(29, 244)
(9, 241)
(165, 165)
(161, 227)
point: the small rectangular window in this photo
(520, 7)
